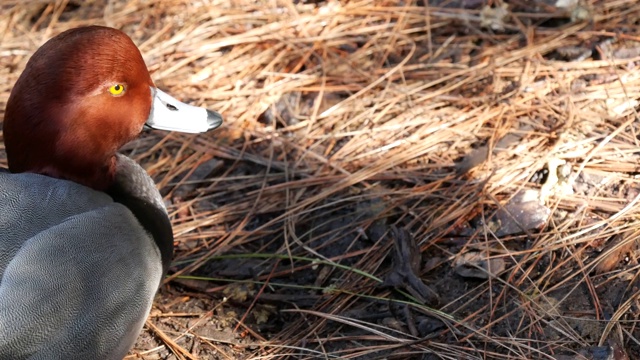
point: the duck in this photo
(85, 238)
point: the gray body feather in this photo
(78, 271)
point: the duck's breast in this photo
(77, 269)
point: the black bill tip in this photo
(214, 119)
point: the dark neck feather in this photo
(135, 189)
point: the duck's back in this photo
(78, 271)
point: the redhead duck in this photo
(85, 238)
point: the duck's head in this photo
(83, 95)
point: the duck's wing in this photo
(32, 203)
(79, 272)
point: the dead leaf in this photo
(521, 214)
(262, 313)
(239, 291)
(394, 323)
(473, 159)
(615, 251)
(406, 267)
(494, 18)
(481, 154)
(619, 353)
(612, 352)
(476, 265)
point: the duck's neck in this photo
(135, 189)
(98, 175)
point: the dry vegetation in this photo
(378, 190)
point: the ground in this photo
(394, 180)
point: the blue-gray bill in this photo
(169, 114)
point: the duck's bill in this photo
(169, 114)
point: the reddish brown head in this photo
(82, 95)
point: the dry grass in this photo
(345, 118)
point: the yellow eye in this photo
(116, 90)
